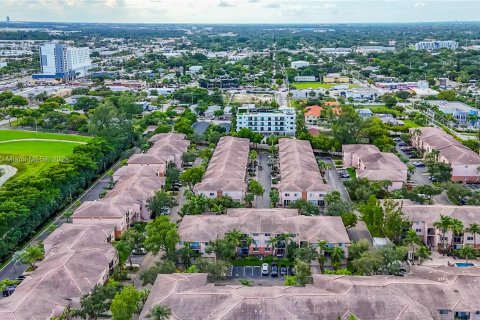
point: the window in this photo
(443, 311)
(212, 194)
(267, 249)
(418, 230)
(470, 238)
(255, 234)
(287, 194)
(255, 249)
(267, 234)
(206, 243)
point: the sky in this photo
(240, 11)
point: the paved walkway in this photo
(9, 172)
(49, 140)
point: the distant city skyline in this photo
(241, 11)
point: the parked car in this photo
(283, 271)
(188, 164)
(9, 290)
(418, 164)
(274, 272)
(291, 271)
(345, 175)
(260, 167)
(20, 278)
(139, 252)
(264, 269)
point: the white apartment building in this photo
(299, 64)
(2, 64)
(305, 78)
(280, 121)
(436, 45)
(61, 61)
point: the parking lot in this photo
(252, 272)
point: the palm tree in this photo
(411, 240)
(322, 247)
(467, 252)
(457, 229)
(32, 254)
(423, 253)
(337, 256)
(284, 238)
(249, 197)
(474, 229)
(160, 312)
(272, 241)
(324, 166)
(443, 225)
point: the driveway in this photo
(420, 175)
(335, 182)
(264, 177)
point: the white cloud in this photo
(329, 6)
(419, 5)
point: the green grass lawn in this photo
(410, 124)
(16, 134)
(351, 173)
(31, 157)
(316, 85)
(383, 109)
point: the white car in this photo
(265, 269)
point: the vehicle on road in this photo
(283, 271)
(260, 167)
(418, 164)
(265, 270)
(139, 252)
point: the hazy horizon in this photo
(241, 11)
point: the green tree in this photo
(189, 156)
(428, 190)
(290, 281)
(249, 197)
(32, 254)
(159, 202)
(441, 172)
(322, 246)
(349, 219)
(302, 272)
(161, 234)
(467, 252)
(305, 207)
(412, 240)
(474, 229)
(395, 221)
(160, 312)
(126, 303)
(443, 225)
(161, 267)
(423, 254)
(337, 255)
(97, 302)
(192, 176)
(255, 188)
(124, 249)
(372, 215)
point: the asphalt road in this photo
(12, 270)
(264, 177)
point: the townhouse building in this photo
(300, 177)
(441, 293)
(423, 218)
(370, 163)
(77, 258)
(262, 225)
(464, 161)
(226, 171)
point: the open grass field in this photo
(384, 109)
(316, 85)
(30, 156)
